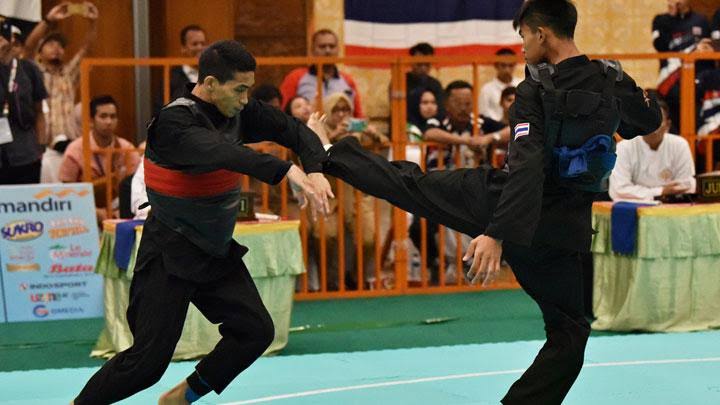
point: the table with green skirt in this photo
(274, 260)
(672, 280)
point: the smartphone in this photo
(77, 8)
(357, 125)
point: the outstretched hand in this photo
(315, 190)
(486, 254)
(316, 123)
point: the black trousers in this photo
(158, 304)
(464, 199)
(25, 174)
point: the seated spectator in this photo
(507, 98)
(103, 113)
(678, 30)
(303, 81)
(707, 94)
(653, 165)
(267, 93)
(192, 43)
(24, 134)
(62, 78)
(339, 123)
(300, 108)
(456, 129)
(422, 106)
(489, 101)
(418, 78)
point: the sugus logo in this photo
(23, 230)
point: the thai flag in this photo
(453, 27)
(522, 129)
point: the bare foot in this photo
(175, 396)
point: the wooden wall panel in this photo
(114, 39)
(276, 28)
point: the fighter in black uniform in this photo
(195, 154)
(536, 210)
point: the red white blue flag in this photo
(522, 129)
(453, 27)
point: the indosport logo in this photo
(22, 230)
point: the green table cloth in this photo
(671, 282)
(274, 260)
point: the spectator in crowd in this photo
(418, 78)
(267, 93)
(17, 43)
(192, 43)
(715, 26)
(455, 130)
(422, 106)
(300, 108)
(507, 98)
(22, 124)
(61, 80)
(338, 109)
(104, 116)
(678, 30)
(654, 165)
(707, 94)
(303, 81)
(489, 102)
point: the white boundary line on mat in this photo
(458, 377)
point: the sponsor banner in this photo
(48, 248)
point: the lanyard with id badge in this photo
(5, 132)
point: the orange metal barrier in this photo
(358, 212)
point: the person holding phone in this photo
(47, 46)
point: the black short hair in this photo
(266, 92)
(101, 100)
(422, 48)
(508, 91)
(223, 59)
(54, 37)
(652, 93)
(188, 28)
(323, 31)
(505, 51)
(288, 106)
(558, 15)
(457, 84)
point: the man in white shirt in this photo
(489, 100)
(653, 165)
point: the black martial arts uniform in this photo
(193, 159)
(543, 221)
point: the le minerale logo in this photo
(47, 205)
(23, 230)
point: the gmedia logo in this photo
(40, 311)
(23, 230)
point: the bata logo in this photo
(59, 252)
(23, 230)
(79, 268)
(40, 311)
(62, 228)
